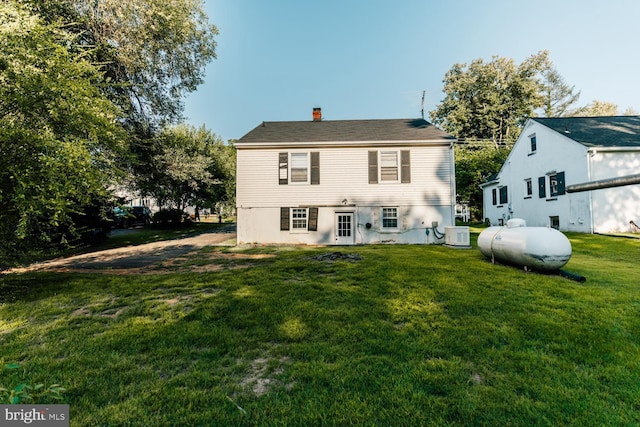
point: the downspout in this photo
(452, 160)
(590, 154)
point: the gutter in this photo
(342, 144)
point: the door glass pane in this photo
(344, 225)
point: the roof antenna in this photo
(422, 111)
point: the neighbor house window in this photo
(556, 183)
(494, 197)
(503, 195)
(389, 217)
(533, 144)
(299, 168)
(553, 185)
(554, 222)
(528, 187)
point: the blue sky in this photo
(357, 59)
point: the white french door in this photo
(344, 228)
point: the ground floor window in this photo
(299, 219)
(554, 222)
(389, 217)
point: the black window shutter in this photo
(283, 168)
(503, 195)
(494, 196)
(405, 169)
(373, 167)
(315, 168)
(312, 225)
(542, 187)
(284, 219)
(561, 185)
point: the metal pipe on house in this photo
(604, 183)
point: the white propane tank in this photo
(539, 248)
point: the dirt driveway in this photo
(140, 259)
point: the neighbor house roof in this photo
(405, 130)
(614, 131)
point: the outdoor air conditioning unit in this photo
(457, 236)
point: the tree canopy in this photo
(59, 136)
(557, 95)
(189, 166)
(85, 87)
(490, 100)
(475, 162)
(595, 108)
(152, 52)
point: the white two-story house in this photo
(345, 182)
(552, 154)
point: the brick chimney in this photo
(317, 114)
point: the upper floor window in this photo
(390, 166)
(299, 168)
(533, 147)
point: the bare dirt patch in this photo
(167, 256)
(262, 375)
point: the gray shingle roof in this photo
(346, 131)
(614, 131)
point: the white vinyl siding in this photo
(344, 176)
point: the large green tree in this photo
(59, 134)
(475, 162)
(485, 105)
(189, 167)
(152, 52)
(491, 100)
(596, 108)
(558, 96)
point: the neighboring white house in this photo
(553, 153)
(344, 182)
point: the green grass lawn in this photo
(405, 335)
